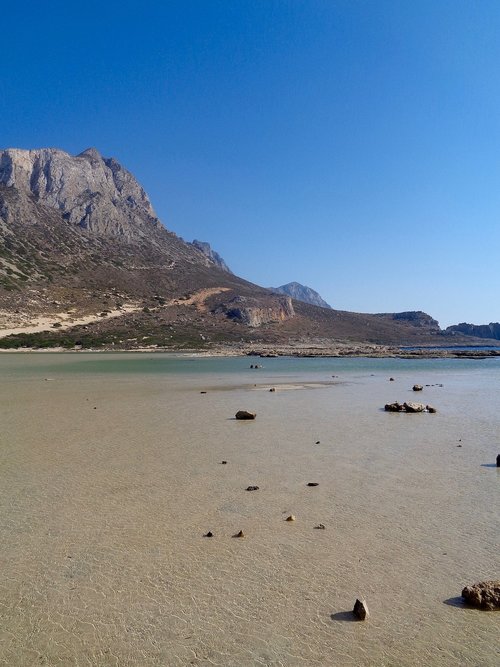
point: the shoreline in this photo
(265, 352)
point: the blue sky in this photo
(353, 146)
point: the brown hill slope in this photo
(84, 259)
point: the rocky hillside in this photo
(213, 256)
(85, 261)
(302, 293)
(489, 331)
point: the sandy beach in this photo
(111, 475)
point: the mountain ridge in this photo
(80, 239)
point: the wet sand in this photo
(103, 510)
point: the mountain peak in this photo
(302, 293)
(92, 153)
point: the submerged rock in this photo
(484, 595)
(361, 610)
(243, 414)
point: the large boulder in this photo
(484, 595)
(409, 406)
(244, 414)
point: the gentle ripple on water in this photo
(103, 557)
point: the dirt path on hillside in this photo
(66, 321)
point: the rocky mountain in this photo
(302, 293)
(213, 256)
(490, 331)
(85, 261)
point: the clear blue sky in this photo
(353, 146)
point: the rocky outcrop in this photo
(490, 331)
(484, 595)
(416, 318)
(255, 313)
(409, 407)
(90, 191)
(213, 256)
(302, 293)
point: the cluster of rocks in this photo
(408, 406)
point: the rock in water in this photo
(498, 461)
(394, 407)
(430, 409)
(360, 610)
(414, 407)
(243, 414)
(484, 595)
(417, 387)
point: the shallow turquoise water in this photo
(170, 364)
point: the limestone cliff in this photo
(255, 313)
(490, 331)
(90, 191)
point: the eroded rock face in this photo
(484, 595)
(255, 313)
(90, 191)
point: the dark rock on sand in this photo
(417, 387)
(291, 517)
(223, 463)
(320, 526)
(360, 610)
(484, 595)
(209, 534)
(312, 483)
(243, 414)
(252, 488)
(240, 534)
